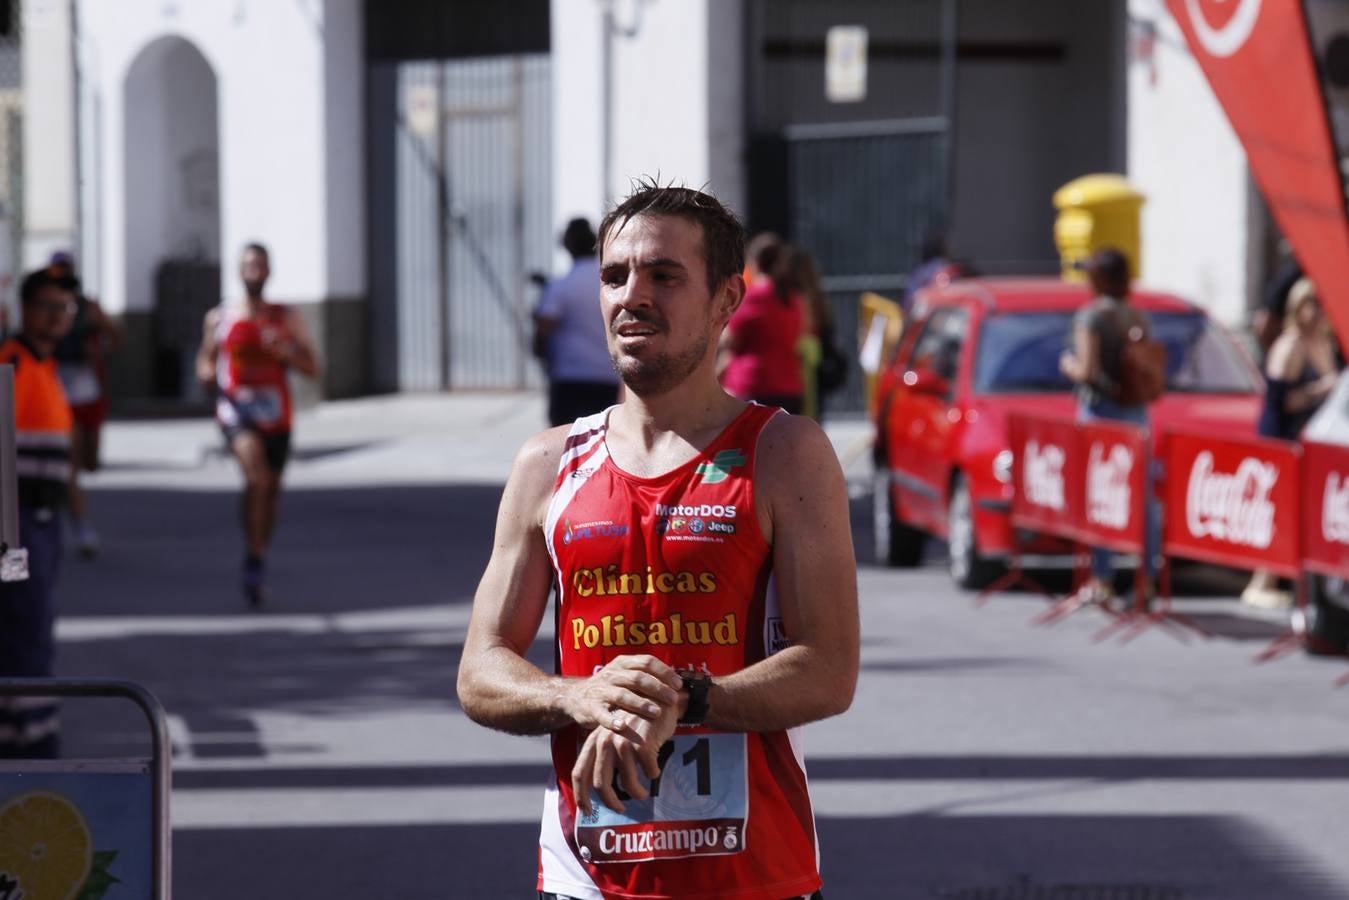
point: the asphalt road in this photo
(319, 751)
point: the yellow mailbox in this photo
(1097, 211)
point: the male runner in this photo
(707, 596)
(246, 350)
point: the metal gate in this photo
(865, 183)
(473, 220)
(863, 198)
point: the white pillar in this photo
(49, 130)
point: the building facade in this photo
(411, 165)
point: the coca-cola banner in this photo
(1258, 58)
(1046, 475)
(1115, 486)
(1325, 513)
(1232, 502)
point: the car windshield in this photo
(1019, 352)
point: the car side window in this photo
(938, 347)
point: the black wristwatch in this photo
(696, 685)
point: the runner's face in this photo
(662, 322)
(253, 271)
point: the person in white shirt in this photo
(569, 334)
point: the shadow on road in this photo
(884, 858)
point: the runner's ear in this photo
(728, 297)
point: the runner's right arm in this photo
(497, 686)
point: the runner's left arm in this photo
(803, 509)
(300, 355)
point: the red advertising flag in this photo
(1325, 515)
(1258, 58)
(1046, 475)
(1233, 502)
(1115, 488)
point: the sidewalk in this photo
(383, 440)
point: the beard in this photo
(662, 372)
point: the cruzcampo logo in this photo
(720, 466)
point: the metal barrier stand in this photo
(161, 750)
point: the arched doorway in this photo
(172, 201)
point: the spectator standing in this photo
(762, 339)
(1267, 323)
(824, 366)
(1093, 364)
(934, 258)
(81, 358)
(42, 420)
(569, 334)
(1300, 372)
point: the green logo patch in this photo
(720, 467)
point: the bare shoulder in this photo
(794, 452)
(1284, 357)
(213, 316)
(537, 461)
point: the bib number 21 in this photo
(698, 805)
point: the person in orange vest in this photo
(43, 423)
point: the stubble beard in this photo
(662, 373)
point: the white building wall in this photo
(285, 142)
(676, 105)
(49, 147)
(1185, 157)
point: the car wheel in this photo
(897, 544)
(969, 570)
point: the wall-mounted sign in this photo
(421, 109)
(845, 64)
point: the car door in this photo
(937, 413)
(920, 417)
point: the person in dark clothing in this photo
(1100, 330)
(1300, 372)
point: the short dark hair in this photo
(1108, 267)
(257, 248)
(579, 238)
(35, 281)
(723, 235)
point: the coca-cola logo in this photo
(1335, 509)
(1042, 475)
(1233, 507)
(1108, 492)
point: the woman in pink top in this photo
(762, 338)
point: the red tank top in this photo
(253, 388)
(675, 566)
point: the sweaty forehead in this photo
(654, 237)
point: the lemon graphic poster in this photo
(76, 831)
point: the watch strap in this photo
(696, 685)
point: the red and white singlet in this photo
(253, 389)
(675, 566)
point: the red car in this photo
(981, 348)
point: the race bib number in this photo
(698, 806)
(259, 405)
